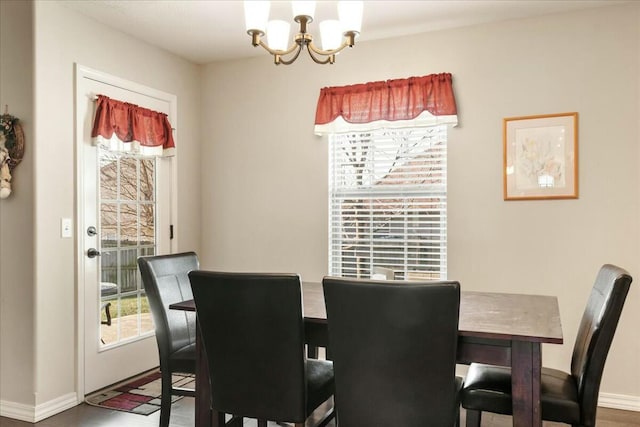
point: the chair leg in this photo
(262, 423)
(165, 399)
(473, 418)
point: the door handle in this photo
(93, 252)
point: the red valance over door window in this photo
(425, 101)
(121, 126)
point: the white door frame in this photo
(82, 72)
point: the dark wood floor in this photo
(182, 416)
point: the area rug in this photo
(140, 395)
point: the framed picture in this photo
(541, 157)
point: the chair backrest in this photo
(253, 333)
(166, 282)
(394, 351)
(595, 335)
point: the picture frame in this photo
(540, 157)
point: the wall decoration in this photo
(11, 150)
(541, 157)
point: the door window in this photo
(127, 200)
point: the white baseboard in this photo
(55, 406)
(619, 401)
(17, 411)
(33, 414)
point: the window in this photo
(388, 203)
(128, 207)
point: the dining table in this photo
(505, 329)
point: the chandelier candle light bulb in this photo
(335, 35)
(278, 34)
(256, 15)
(330, 34)
(350, 15)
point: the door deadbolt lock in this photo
(93, 252)
(91, 231)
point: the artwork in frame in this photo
(541, 157)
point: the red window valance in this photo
(388, 101)
(131, 125)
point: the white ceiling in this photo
(204, 31)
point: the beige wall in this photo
(253, 179)
(63, 38)
(38, 290)
(264, 173)
(16, 212)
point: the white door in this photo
(124, 212)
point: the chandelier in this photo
(335, 35)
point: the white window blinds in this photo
(388, 203)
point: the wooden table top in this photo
(482, 314)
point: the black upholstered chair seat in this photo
(254, 338)
(488, 388)
(320, 382)
(570, 398)
(393, 346)
(166, 282)
(182, 359)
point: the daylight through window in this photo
(388, 203)
(128, 209)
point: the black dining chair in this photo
(166, 282)
(393, 345)
(252, 329)
(566, 397)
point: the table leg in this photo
(204, 416)
(218, 419)
(316, 335)
(526, 366)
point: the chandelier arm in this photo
(313, 48)
(279, 52)
(291, 60)
(303, 38)
(330, 58)
(349, 40)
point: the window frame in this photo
(422, 190)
